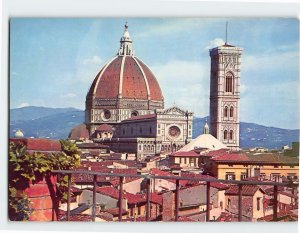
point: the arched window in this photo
(225, 111)
(229, 82)
(225, 134)
(231, 135)
(231, 112)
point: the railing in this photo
(177, 179)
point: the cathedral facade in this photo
(225, 94)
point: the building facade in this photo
(123, 88)
(225, 94)
(125, 109)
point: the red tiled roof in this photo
(38, 144)
(225, 217)
(104, 128)
(154, 87)
(135, 198)
(215, 152)
(155, 198)
(81, 218)
(247, 190)
(115, 211)
(134, 86)
(216, 185)
(109, 191)
(231, 157)
(158, 172)
(140, 117)
(185, 154)
(79, 132)
(281, 214)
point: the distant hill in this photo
(43, 122)
(56, 123)
(254, 135)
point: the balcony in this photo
(177, 180)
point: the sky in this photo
(53, 61)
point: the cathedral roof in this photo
(125, 76)
(104, 128)
(79, 132)
(204, 141)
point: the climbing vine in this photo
(25, 169)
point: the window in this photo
(231, 112)
(225, 111)
(243, 176)
(225, 134)
(192, 160)
(228, 202)
(131, 212)
(258, 203)
(139, 210)
(230, 176)
(231, 135)
(229, 82)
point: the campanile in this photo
(225, 94)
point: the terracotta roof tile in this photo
(79, 132)
(104, 128)
(140, 117)
(39, 144)
(185, 154)
(247, 190)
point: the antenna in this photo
(226, 32)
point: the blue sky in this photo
(54, 61)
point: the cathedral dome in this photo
(125, 77)
(123, 88)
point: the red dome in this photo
(125, 77)
(79, 132)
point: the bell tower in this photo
(225, 94)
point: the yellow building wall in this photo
(186, 161)
(220, 170)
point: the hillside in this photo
(56, 123)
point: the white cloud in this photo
(22, 105)
(270, 61)
(95, 60)
(69, 95)
(215, 43)
(185, 83)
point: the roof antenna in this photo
(226, 32)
